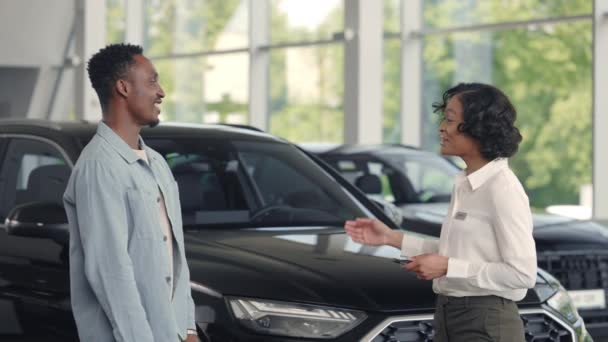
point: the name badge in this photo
(460, 216)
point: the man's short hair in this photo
(109, 65)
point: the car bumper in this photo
(382, 328)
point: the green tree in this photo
(115, 21)
(319, 117)
(185, 26)
(391, 118)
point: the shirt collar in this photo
(479, 177)
(151, 156)
(118, 144)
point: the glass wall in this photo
(185, 26)
(207, 89)
(310, 20)
(306, 70)
(453, 13)
(391, 108)
(115, 21)
(538, 52)
(544, 67)
(199, 49)
(306, 93)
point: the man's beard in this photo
(154, 123)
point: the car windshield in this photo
(253, 184)
(430, 176)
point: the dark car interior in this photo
(222, 184)
(32, 172)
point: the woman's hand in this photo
(369, 231)
(428, 266)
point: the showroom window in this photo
(391, 106)
(206, 89)
(453, 13)
(183, 26)
(115, 21)
(200, 49)
(517, 46)
(306, 93)
(519, 50)
(306, 70)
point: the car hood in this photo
(551, 232)
(319, 265)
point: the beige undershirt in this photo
(164, 219)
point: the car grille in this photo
(539, 327)
(407, 331)
(577, 271)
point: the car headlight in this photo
(562, 303)
(293, 319)
(549, 290)
(553, 294)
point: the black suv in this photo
(263, 221)
(420, 184)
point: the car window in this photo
(244, 183)
(427, 179)
(383, 172)
(31, 171)
(431, 177)
(371, 177)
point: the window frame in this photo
(7, 138)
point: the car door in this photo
(10, 323)
(34, 269)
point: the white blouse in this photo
(487, 237)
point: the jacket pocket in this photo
(143, 216)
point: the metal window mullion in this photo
(363, 71)
(305, 43)
(200, 54)
(411, 73)
(90, 37)
(262, 47)
(259, 63)
(134, 31)
(500, 26)
(600, 110)
(61, 71)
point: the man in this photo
(128, 271)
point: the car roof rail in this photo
(31, 122)
(251, 128)
(406, 146)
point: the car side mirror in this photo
(389, 209)
(38, 220)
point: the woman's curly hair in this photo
(488, 117)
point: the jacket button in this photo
(165, 238)
(168, 279)
(158, 199)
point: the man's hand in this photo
(372, 232)
(428, 266)
(192, 338)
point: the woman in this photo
(485, 258)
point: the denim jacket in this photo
(121, 286)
